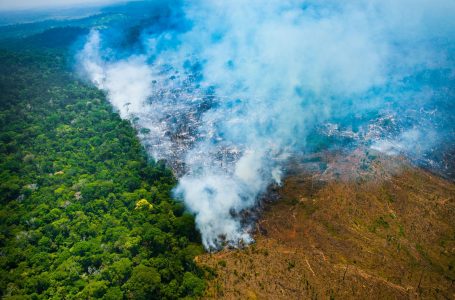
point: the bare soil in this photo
(383, 237)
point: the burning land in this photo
(244, 149)
(387, 235)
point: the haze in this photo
(8, 5)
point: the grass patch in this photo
(378, 224)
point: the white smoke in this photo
(409, 141)
(127, 82)
(277, 68)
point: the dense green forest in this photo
(84, 212)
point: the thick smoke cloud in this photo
(242, 85)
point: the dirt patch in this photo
(391, 237)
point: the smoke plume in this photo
(227, 91)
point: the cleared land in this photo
(390, 236)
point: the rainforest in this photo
(202, 149)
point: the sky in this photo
(6, 5)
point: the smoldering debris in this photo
(239, 88)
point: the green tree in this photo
(143, 284)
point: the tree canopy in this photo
(84, 212)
